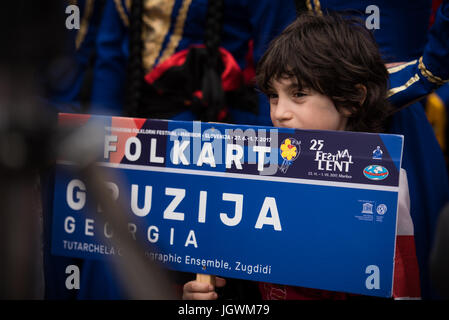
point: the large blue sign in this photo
(305, 208)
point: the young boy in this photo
(326, 73)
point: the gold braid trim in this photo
(84, 24)
(400, 67)
(309, 5)
(411, 81)
(156, 24)
(318, 7)
(121, 12)
(177, 32)
(426, 73)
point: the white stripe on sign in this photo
(242, 176)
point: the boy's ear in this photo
(345, 112)
(362, 90)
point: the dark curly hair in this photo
(332, 55)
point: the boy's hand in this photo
(195, 290)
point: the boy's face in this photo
(306, 109)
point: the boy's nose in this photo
(283, 112)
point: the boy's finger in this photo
(220, 282)
(200, 296)
(196, 286)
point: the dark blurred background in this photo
(32, 34)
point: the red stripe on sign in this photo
(139, 122)
(406, 282)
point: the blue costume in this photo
(182, 26)
(71, 91)
(397, 20)
(422, 154)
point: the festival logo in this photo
(375, 172)
(290, 149)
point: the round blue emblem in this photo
(375, 172)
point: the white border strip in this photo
(241, 176)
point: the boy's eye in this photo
(299, 94)
(272, 95)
